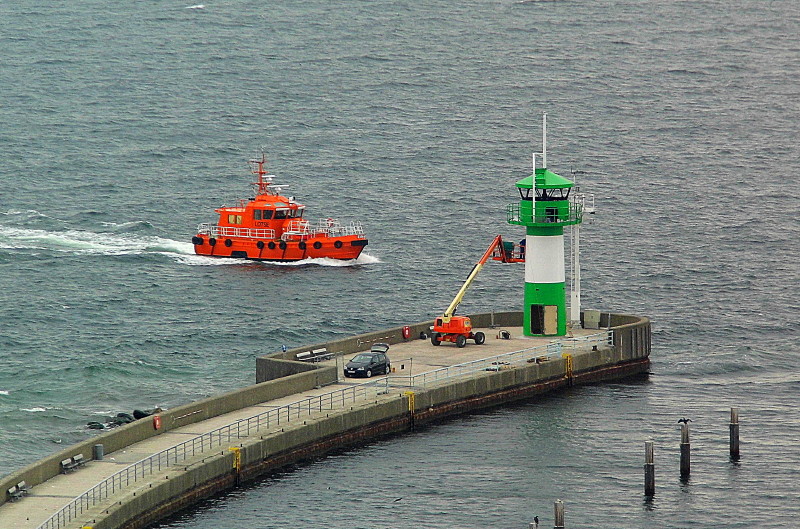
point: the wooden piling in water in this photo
(734, 433)
(649, 470)
(686, 458)
(558, 508)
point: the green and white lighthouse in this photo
(545, 208)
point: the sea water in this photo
(124, 124)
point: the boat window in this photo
(257, 214)
(234, 219)
(280, 214)
(267, 214)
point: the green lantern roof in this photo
(545, 179)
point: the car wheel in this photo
(369, 373)
(435, 339)
(388, 369)
(479, 338)
(461, 340)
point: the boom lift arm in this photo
(458, 329)
(497, 244)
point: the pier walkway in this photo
(78, 498)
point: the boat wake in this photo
(200, 260)
(77, 242)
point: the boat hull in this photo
(343, 248)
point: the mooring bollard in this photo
(558, 508)
(686, 458)
(649, 470)
(734, 428)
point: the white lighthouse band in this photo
(544, 259)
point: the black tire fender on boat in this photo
(228, 243)
(271, 245)
(302, 245)
(212, 241)
(317, 245)
(282, 245)
(260, 245)
(338, 244)
(197, 241)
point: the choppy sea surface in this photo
(124, 124)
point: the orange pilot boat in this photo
(271, 227)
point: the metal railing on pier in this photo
(198, 445)
(280, 415)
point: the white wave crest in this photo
(3, 392)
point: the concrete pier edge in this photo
(278, 376)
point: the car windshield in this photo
(362, 358)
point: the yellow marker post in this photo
(410, 395)
(567, 366)
(237, 458)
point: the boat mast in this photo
(262, 184)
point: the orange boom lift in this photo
(458, 329)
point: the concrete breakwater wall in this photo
(302, 379)
(393, 412)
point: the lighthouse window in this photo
(552, 194)
(525, 194)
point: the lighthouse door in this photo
(544, 319)
(550, 319)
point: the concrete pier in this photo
(155, 467)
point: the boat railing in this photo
(297, 230)
(334, 228)
(215, 231)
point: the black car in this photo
(375, 362)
